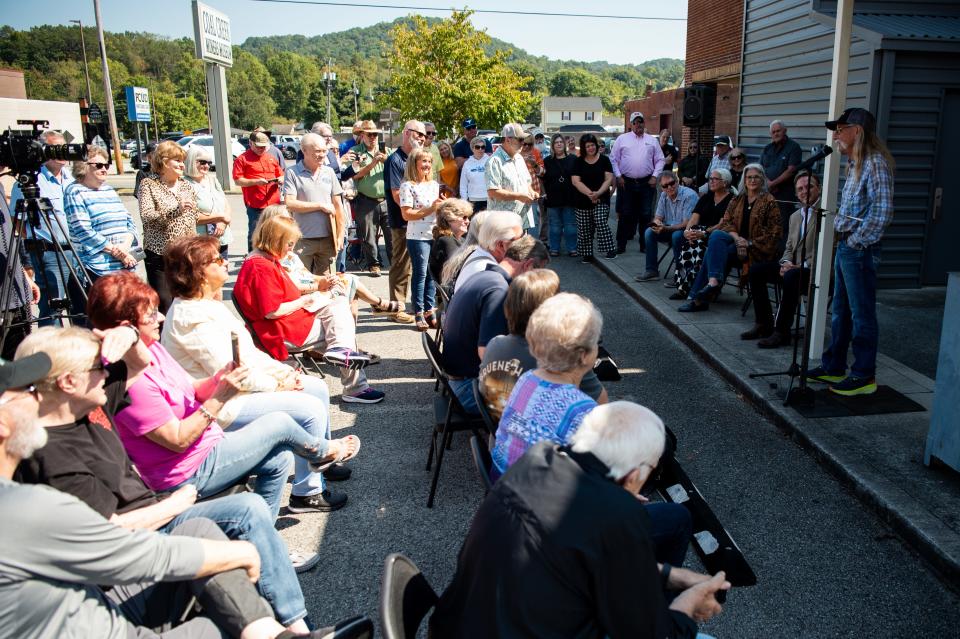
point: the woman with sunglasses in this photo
(213, 210)
(687, 169)
(473, 181)
(100, 226)
(738, 162)
(420, 198)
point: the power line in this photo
(518, 13)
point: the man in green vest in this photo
(369, 207)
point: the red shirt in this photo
(251, 166)
(261, 287)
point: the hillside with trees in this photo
(279, 78)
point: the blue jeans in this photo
(720, 250)
(463, 389)
(854, 311)
(650, 239)
(563, 221)
(260, 448)
(423, 288)
(50, 275)
(534, 231)
(253, 216)
(671, 529)
(246, 516)
(309, 407)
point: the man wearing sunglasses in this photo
(674, 207)
(462, 149)
(370, 205)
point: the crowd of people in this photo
(128, 438)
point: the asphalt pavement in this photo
(826, 566)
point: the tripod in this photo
(802, 394)
(39, 214)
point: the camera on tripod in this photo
(22, 152)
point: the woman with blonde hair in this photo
(453, 220)
(449, 172)
(420, 198)
(168, 210)
(213, 210)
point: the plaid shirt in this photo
(718, 162)
(869, 197)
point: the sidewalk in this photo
(879, 456)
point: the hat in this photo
(635, 115)
(259, 139)
(854, 116)
(469, 123)
(721, 139)
(24, 371)
(367, 126)
(513, 130)
(539, 134)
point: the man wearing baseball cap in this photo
(461, 150)
(720, 159)
(637, 163)
(259, 176)
(866, 209)
(509, 183)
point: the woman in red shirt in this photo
(281, 317)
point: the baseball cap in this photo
(259, 139)
(721, 139)
(635, 115)
(24, 371)
(469, 123)
(513, 130)
(854, 115)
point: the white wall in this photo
(64, 116)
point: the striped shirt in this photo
(97, 219)
(869, 197)
(718, 162)
(677, 211)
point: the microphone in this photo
(816, 157)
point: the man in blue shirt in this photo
(461, 150)
(674, 207)
(50, 269)
(866, 209)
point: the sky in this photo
(614, 39)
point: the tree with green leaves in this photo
(250, 86)
(293, 76)
(441, 73)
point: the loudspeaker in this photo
(699, 105)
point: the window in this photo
(588, 116)
(566, 115)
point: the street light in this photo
(86, 71)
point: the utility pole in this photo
(86, 70)
(356, 110)
(330, 78)
(108, 90)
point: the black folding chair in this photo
(405, 598)
(449, 415)
(482, 460)
(359, 627)
(298, 355)
(484, 409)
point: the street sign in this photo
(94, 114)
(138, 104)
(211, 30)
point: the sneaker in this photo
(402, 317)
(374, 271)
(669, 284)
(369, 395)
(775, 340)
(819, 374)
(648, 276)
(325, 502)
(678, 296)
(621, 251)
(851, 386)
(612, 255)
(345, 358)
(573, 254)
(303, 561)
(758, 331)
(554, 253)
(586, 259)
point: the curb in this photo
(944, 564)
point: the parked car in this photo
(236, 148)
(289, 145)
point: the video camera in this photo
(22, 152)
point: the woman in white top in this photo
(419, 200)
(473, 182)
(213, 210)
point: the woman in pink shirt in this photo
(170, 427)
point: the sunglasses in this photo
(204, 162)
(670, 185)
(419, 134)
(431, 134)
(98, 165)
(31, 390)
(736, 157)
(218, 260)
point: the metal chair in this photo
(484, 410)
(299, 355)
(405, 598)
(359, 627)
(482, 460)
(449, 415)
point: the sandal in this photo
(421, 323)
(430, 317)
(350, 446)
(389, 308)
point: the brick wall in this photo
(663, 109)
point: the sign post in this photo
(212, 33)
(138, 110)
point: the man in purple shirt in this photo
(637, 162)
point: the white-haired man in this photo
(500, 229)
(57, 555)
(311, 192)
(561, 545)
(509, 183)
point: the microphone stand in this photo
(802, 395)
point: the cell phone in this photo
(382, 146)
(138, 253)
(276, 179)
(235, 343)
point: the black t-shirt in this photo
(443, 248)
(86, 459)
(669, 149)
(474, 317)
(392, 177)
(710, 213)
(556, 179)
(592, 176)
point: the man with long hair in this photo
(866, 209)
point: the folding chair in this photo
(484, 410)
(299, 355)
(482, 460)
(449, 415)
(672, 263)
(359, 627)
(405, 598)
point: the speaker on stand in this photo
(699, 111)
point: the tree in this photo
(249, 86)
(575, 82)
(442, 74)
(178, 114)
(293, 77)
